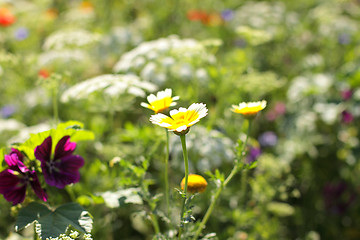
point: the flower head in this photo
(196, 183)
(21, 33)
(161, 101)
(43, 73)
(249, 108)
(181, 120)
(15, 179)
(6, 17)
(63, 168)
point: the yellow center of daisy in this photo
(248, 110)
(181, 119)
(161, 104)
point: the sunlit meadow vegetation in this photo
(179, 119)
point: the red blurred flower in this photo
(43, 73)
(6, 17)
(209, 19)
(198, 15)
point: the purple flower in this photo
(347, 117)
(254, 153)
(63, 168)
(15, 179)
(268, 139)
(7, 111)
(227, 14)
(346, 94)
(21, 33)
(338, 197)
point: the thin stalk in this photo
(155, 223)
(222, 186)
(166, 173)
(186, 162)
(55, 105)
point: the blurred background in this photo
(96, 61)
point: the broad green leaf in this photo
(32, 212)
(52, 223)
(71, 128)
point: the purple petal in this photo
(43, 151)
(61, 179)
(8, 180)
(16, 195)
(66, 171)
(64, 147)
(14, 157)
(12, 187)
(35, 184)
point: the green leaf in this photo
(52, 223)
(32, 212)
(71, 128)
(2, 156)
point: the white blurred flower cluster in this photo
(67, 46)
(74, 38)
(331, 20)
(166, 58)
(111, 85)
(207, 149)
(266, 19)
(303, 86)
(72, 235)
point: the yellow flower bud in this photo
(196, 183)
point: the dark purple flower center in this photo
(52, 166)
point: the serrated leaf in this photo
(53, 223)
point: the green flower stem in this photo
(55, 105)
(186, 162)
(223, 185)
(155, 223)
(166, 173)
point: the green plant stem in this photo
(222, 186)
(55, 106)
(166, 174)
(243, 186)
(155, 223)
(186, 162)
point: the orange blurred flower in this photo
(209, 19)
(43, 73)
(86, 6)
(51, 13)
(198, 15)
(6, 17)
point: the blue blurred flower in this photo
(21, 33)
(344, 39)
(227, 14)
(268, 139)
(7, 111)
